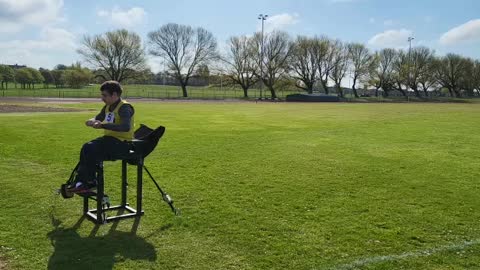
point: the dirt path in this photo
(16, 105)
(3, 265)
(98, 100)
(10, 108)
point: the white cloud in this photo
(391, 38)
(51, 39)
(469, 31)
(17, 14)
(10, 27)
(124, 18)
(43, 52)
(59, 38)
(279, 22)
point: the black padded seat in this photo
(144, 142)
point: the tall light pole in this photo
(409, 59)
(261, 17)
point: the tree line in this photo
(274, 60)
(74, 76)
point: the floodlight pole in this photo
(409, 59)
(262, 17)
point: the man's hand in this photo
(97, 124)
(90, 122)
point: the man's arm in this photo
(100, 116)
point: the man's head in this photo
(111, 92)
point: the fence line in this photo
(147, 92)
(171, 92)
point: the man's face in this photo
(109, 99)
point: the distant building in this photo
(16, 66)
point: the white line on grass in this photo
(419, 253)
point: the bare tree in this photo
(339, 67)
(427, 78)
(420, 59)
(374, 75)
(183, 48)
(118, 53)
(241, 65)
(303, 63)
(383, 74)
(476, 76)
(400, 68)
(362, 63)
(277, 48)
(449, 71)
(325, 52)
(467, 80)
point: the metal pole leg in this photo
(139, 186)
(85, 205)
(100, 194)
(124, 183)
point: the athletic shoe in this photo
(81, 187)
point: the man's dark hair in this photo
(111, 87)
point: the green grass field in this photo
(260, 185)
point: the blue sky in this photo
(44, 33)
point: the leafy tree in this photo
(202, 74)
(77, 77)
(203, 71)
(24, 77)
(145, 76)
(118, 53)
(183, 48)
(8, 75)
(36, 76)
(47, 75)
(61, 67)
(58, 77)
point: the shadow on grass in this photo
(73, 251)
